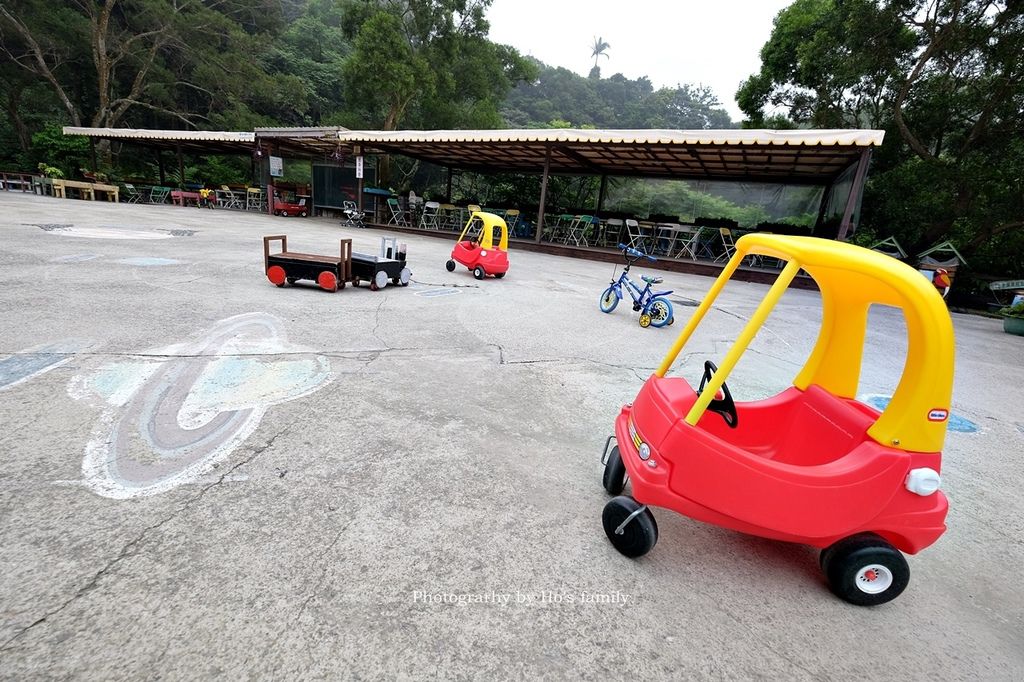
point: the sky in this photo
(672, 42)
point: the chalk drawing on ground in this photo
(29, 363)
(168, 421)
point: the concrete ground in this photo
(203, 474)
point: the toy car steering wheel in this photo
(724, 405)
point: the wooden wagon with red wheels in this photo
(334, 272)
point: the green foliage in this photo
(946, 83)
(1013, 311)
(559, 95)
(54, 149)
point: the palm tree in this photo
(599, 49)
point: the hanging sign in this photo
(359, 167)
(276, 166)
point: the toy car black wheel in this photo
(303, 214)
(396, 281)
(865, 570)
(290, 280)
(635, 537)
(450, 266)
(499, 275)
(478, 272)
(614, 479)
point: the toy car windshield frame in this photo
(850, 279)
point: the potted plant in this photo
(1013, 319)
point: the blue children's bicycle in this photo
(654, 308)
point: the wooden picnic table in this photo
(179, 197)
(87, 189)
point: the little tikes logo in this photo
(938, 415)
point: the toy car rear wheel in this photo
(276, 275)
(865, 570)
(614, 479)
(479, 273)
(499, 275)
(450, 266)
(636, 538)
(609, 299)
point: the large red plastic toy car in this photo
(476, 249)
(811, 464)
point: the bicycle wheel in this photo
(609, 299)
(660, 310)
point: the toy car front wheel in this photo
(450, 266)
(499, 275)
(865, 570)
(609, 299)
(614, 479)
(479, 273)
(630, 526)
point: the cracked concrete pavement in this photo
(454, 450)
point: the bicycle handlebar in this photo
(635, 253)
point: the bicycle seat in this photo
(651, 280)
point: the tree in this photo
(943, 77)
(102, 59)
(599, 49)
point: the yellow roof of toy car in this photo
(851, 279)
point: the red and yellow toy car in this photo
(476, 247)
(812, 464)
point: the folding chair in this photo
(228, 198)
(688, 242)
(611, 232)
(397, 214)
(158, 195)
(428, 219)
(132, 195)
(637, 238)
(255, 199)
(728, 244)
(578, 230)
(512, 221)
(353, 216)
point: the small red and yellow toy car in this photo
(810, 465)
(476, 248)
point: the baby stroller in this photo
(353, 216)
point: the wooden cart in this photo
(334, 272)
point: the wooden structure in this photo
(334, 272)
(86, 189)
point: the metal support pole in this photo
(181, 168)
(543, 195)
(160, 165)
(92, 149)
(856, 190)
(448, 195)
(600, 193)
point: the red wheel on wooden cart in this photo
(327, 281)
(275, 273)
